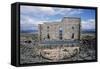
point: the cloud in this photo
(88, 24)
(37, 10)
(46, 11)
(68, 11)
(31, 16)
(28, 23)
(28, 27)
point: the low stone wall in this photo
(59, 53)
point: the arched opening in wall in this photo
(72, 35)
(48, 36)
(47, 27)
(72, 27)
(60, 34)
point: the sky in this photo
(31, 16)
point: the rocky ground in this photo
(28, 53)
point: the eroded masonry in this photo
(67, 29)
(60, 39)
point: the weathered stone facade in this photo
(67, 29)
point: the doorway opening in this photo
(60, 34)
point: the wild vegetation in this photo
(29, 49)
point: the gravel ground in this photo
(28, 53)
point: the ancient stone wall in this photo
(68, 28)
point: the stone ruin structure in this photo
(61, 38)
(67, 29)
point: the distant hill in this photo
(29, 31)
(88, 31)
(36, 31)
